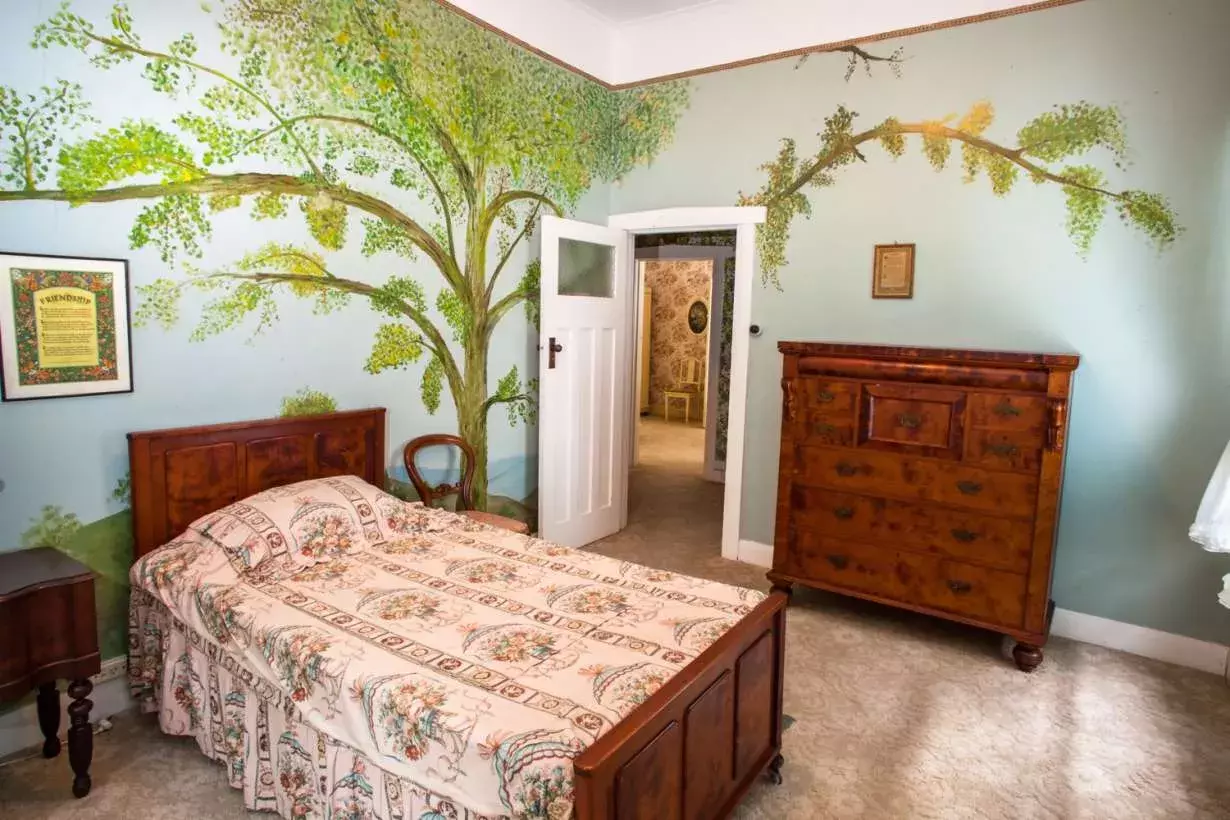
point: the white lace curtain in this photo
(1211, 528)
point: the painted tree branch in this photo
(434, 339)
(508, 198)
(465, 175)
(127, 48)
(1016, 156)
(253, 183)
(494, 400)
(433, 180)
(502, 306)
(521, 234)
(1064, 134)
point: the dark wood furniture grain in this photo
(692, 750)
(927, 479)
(463, 489)
(48, 632)
(178, 475)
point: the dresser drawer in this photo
(1005, 449)
(872, 473)
(821, 428)
(1003, 543)
(982, 594)
(826, 396)
(1004, 411)
(920, 421)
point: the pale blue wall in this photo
(70, 452)
(1151, 398)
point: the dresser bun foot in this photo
(780, 584)
(1027, 656)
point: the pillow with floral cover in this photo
(298, 525)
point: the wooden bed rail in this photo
(698, 744)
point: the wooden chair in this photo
(689, 384)
(463, 489)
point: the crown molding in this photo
(777, 55)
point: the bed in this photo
(423, 665)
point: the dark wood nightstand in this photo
(48, 633)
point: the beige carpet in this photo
(898, 716)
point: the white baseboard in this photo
(1141, 640)
(754, 552)
(19, 727)
(1077, 626)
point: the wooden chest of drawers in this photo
(925, 478)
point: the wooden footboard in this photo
(695, 747)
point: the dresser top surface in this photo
(41, 566)
(1002, 358)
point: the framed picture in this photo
(892, 275)
(698, 317)
(64, 327)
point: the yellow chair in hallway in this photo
(689, 384)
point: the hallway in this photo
(674, 515)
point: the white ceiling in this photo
(621, 11)
(624, 42)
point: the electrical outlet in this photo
(112, 668)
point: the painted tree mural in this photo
(1047, 150)
(434, 146)
(328, 109)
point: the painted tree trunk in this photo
(472, 418)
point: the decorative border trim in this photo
(1077, 626)
(777, 55)
(517, 41)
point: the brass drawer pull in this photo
(844, 512)
(1005, 409)
(823, 429)
(910, 421)
(1003, 450)
(825, 396)
(838, 561)
(964, 535)
(960, 587)
(845, 469)
(969, 487)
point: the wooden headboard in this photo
(178, 475)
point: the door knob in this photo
(553, 347)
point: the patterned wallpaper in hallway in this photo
(675, 285)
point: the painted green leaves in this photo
(308, 402)
(28, 127)
(395, 346)
(1057, 136)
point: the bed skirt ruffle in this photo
(241, 721)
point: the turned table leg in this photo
(1027, 656)
(49, 717)
(80, 736)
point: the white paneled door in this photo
(584, 379)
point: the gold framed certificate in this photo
(64, 327)
(892, 275)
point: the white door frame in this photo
(744, 221)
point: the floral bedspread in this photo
(473, 661)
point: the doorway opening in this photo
(685, 320)
(590, 376)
